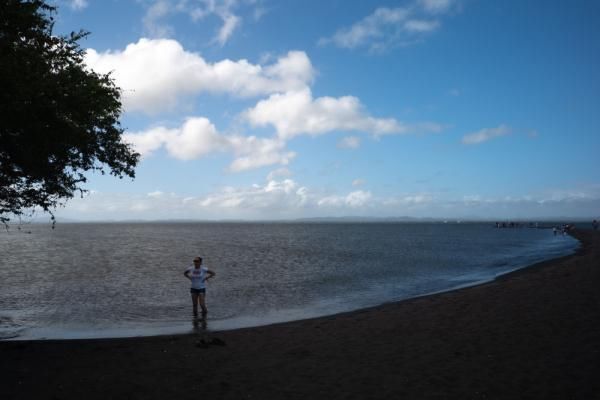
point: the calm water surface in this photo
(125, 279)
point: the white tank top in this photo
(198, 275)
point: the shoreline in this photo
(534, 332)
(182, 327)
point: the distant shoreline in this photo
(534, 333)
(579, 222)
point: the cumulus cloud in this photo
(273, 195)
(387, 27)
(253, 152)
(485, 134)
(278, 173)
(156, 73)
(286, 198)
(354, 199)
(198, 137)
(296, 112)
(358, 182)
(275, 198)
(280, 195)
(195, 138)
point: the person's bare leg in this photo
(201, 300)
(195, 303)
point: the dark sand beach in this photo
(532, 334)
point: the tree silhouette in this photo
(58, 119)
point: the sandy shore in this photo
(531, 334)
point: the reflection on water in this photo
(199, 326)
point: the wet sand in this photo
(531, 334)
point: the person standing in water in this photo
(198, 275)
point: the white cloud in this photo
(198, 137)
(419, 199)
(225, 10)
(155, 73)
(570, 195)
(387, 27)
(436, 6)
(287, 198)
(152, 19)
(370, 28)
(78, 4)
(355, 199)
(156, 193)
(261, 196)
(230, 23)
(195, 138)
(359, 198)
(421, 26)
(485, 134)
(271, 200)
(278, 173)
(349, 142)
(296, 112)
(252, 152)
(472, 199)
(358, 182)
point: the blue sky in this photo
(264, 109)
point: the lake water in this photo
(125, 279)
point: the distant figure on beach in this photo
(198, 275)
(554, 230)
(595, 225)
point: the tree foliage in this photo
(58, 119)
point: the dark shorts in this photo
(197, 291)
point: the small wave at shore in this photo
(314, 271)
